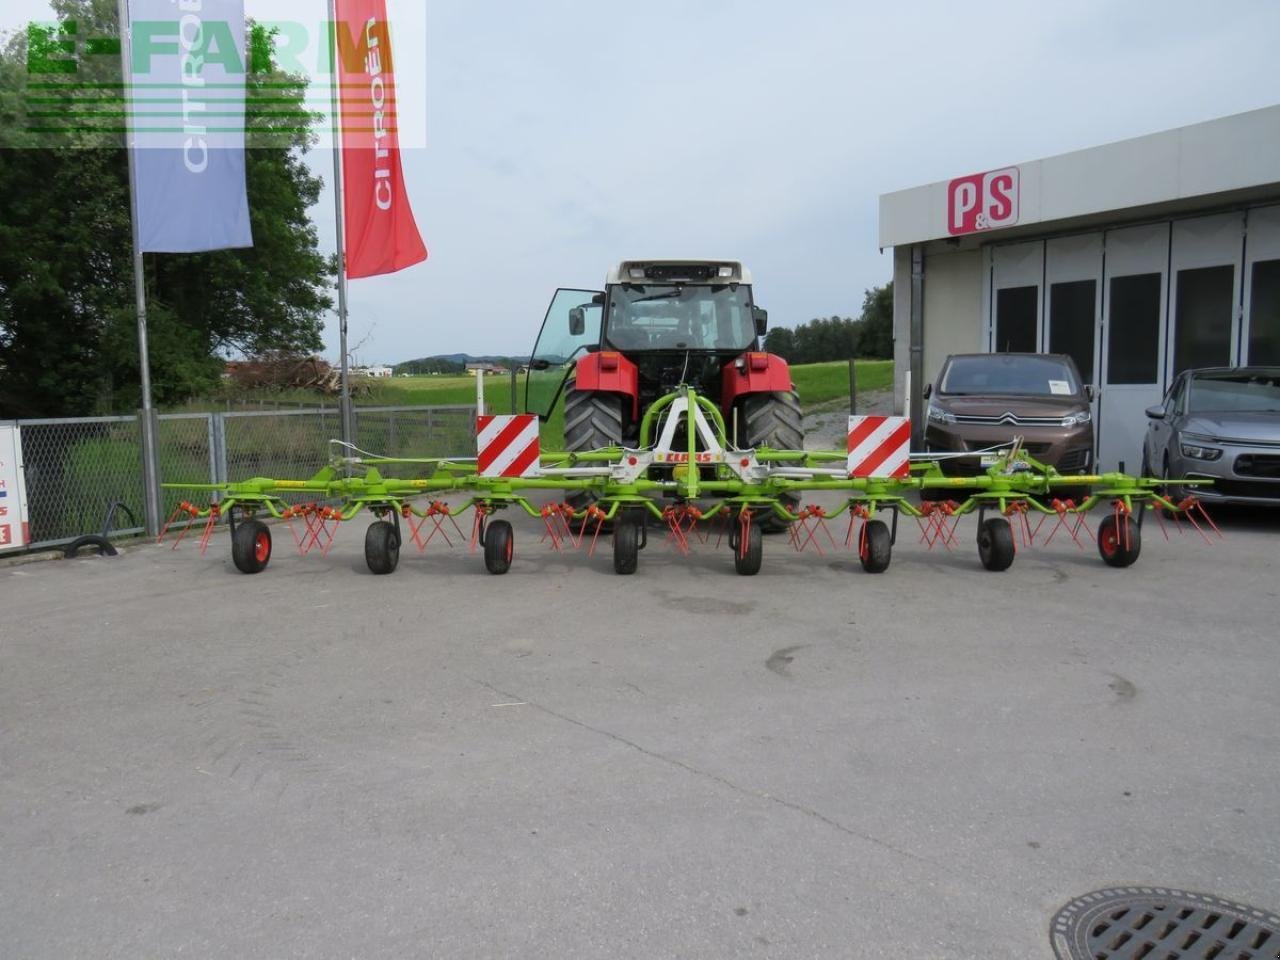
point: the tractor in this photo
(659, 325)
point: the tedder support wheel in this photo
(251, 546)
(995, 544)
(747, 558)
(1119, 541)
(382, 547)
(499, 546)
(875, 549)
(626, 546)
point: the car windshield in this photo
(679, 317)
(1009, 375)
(1241, 393)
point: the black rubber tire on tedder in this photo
(626, 545)
(499, 546)
(382, 547)
(747, 561)
(773, 420)
(875, 547)
(995, 544)
(1119, 541)
(251, 546)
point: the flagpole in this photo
(348, 433)
(150, 468)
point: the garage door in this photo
(1133, 340)
(1016, 274)
(1204, 292)
(1261, 336)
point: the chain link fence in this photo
(76, 470)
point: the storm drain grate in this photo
(1157, 923)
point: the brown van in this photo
(983, 400)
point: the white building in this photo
(376, 371)
(1139, 259)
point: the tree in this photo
(877, 322)
(838, 338)
(68, 342)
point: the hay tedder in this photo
(685, 480)
(648, 448)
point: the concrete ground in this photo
(564, 763)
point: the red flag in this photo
(382, 236)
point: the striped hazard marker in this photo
(879, 447)
(508, 445)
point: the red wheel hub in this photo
(262, 547)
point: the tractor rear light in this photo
(632, 461)
(637, 273)
(609, 361)
(726, 272)
(759, 361)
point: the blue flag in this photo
(187, 101)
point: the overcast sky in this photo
(564, 135)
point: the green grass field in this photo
(819, 384)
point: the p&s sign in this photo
(982, 201)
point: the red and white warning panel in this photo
(508, 446)
(14, 531)
(880, 447)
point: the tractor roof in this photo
(679, 271)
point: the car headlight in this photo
(938, 415)
(1075, 419)
(1193, 447)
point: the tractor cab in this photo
(655, 326)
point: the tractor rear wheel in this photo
(774, 420)
(592, 419)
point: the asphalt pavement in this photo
(564, 763)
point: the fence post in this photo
(218, 450)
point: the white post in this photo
(480, 391)
(335, 125)
(906, 394)
(150, 468)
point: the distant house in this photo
(375, 371)
(494, 369)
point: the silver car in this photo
(1224, 424)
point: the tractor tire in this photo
(591, 420)
(251, 546)
(773, 420)
(382, 548)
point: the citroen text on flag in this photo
(187, 77)
(382, 235)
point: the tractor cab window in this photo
(679, 317)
